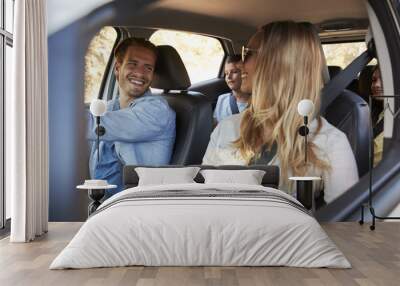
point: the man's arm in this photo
(143, 120)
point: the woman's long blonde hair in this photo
(288, 69)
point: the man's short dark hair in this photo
(122, 47)
(233, 59)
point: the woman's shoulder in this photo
(329, 135)
(330, 129)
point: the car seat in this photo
(334, 70)
(350, 114)
(193, 110)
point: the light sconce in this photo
(305, 108)
(98, 108)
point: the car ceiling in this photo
(237, 20)
(231, 19)
(259, 12)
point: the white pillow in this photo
(165, 176)
(248, 177)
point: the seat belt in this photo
(336, 85)
(233, 104)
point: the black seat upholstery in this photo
(193, 109)
(350, 113)
(334, 70)
(353, 86)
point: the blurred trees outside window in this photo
(342, 54)
(96, 59)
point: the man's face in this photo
(233, 75)
(249, 64)
(136, 71)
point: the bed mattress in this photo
(201, 225)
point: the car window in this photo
(201, 55)
(342, 54)
(97, 56)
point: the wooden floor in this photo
(375, 257)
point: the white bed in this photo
(242, 227)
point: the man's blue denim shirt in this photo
(141, 134)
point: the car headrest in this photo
(170, 72)
(334, 70)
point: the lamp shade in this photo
(98, 107)
(305, 107)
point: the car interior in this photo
(289, 222)
(194, 104)
(232, 23)
(194, 107)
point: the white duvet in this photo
(183, 231)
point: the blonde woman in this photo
(283, 64)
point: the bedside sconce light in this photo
(305, 108)
(98, 108)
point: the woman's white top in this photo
(332, 144)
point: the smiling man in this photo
(140, 126)
(235, 101)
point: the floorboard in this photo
(374, 255)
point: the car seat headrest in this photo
(334, 70)
(170, 72)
